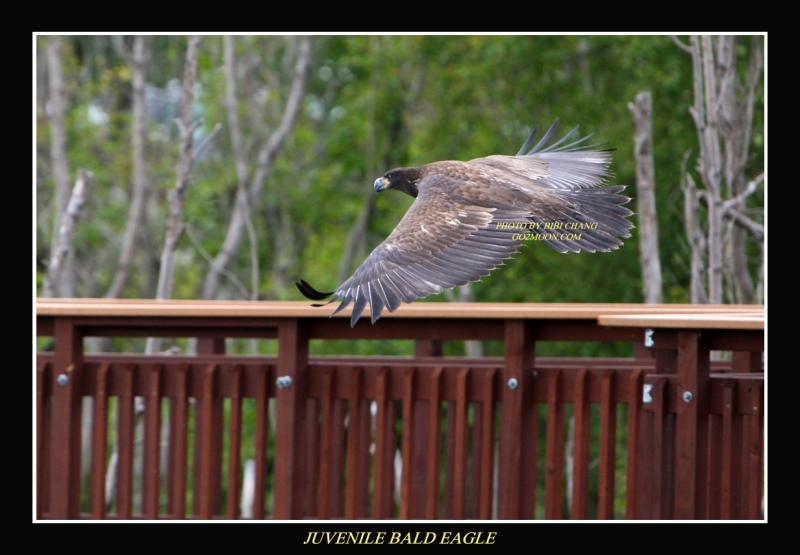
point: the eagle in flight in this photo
(468, 217)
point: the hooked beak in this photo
(380, 184)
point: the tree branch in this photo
(755, 229)
(738, 200)
(207, 143)
(265, 157)
(186, 129)
(695, 237)
(684, 47)
(176, 196)
(243, 291)
(242, 197)
(140, 182)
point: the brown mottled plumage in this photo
(450, 235)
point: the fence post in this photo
(691, 428)
(291, 396)
(517, 472)
(208, 434)
(65, 466)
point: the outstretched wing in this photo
(440, 243)
(470, 216)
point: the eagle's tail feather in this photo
(311, 293)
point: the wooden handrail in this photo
(301, 309)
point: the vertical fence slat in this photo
(713, 478)
(434, 445)
(235, 444)
(382, 502)
(608, 448)
(208, 442)
(364, 455)
(487, 469)
(337, 463)
(656, 477)
(691, 425)
(726, 451)
(517, 486)
(407, 445)
(460, 439)
(125, 449)
(152, 443)
(449, 419)
(755, 455)
(353, 472)
(312, 457)
(262, 441)
(554, 466)
(215, 446)
(99, 442)
(634, 416)
(179, 443)
(327, 476)
(419, 449)
(475, 448)
(582, 431)
(208, 447)
(42, 437)
(65, 436)
(289, 476)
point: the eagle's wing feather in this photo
(437, 245)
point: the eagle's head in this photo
(400, 179)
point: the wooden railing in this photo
(668, 433)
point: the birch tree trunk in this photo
(61, 249)
(641, 110)
(64, 287)
(176, 196)
(724, 101)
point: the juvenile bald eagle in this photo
(470, 216)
